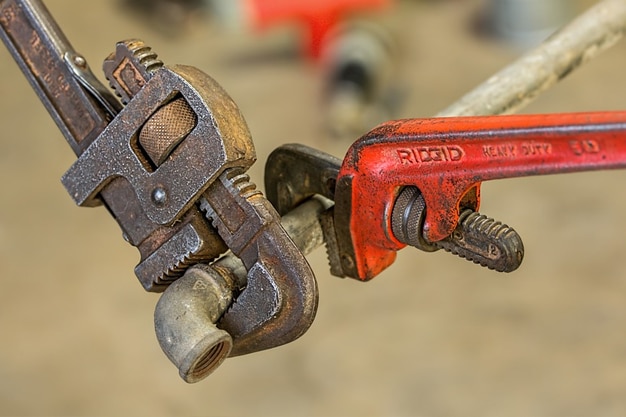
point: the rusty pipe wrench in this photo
(170, 167)
(417, 182)
(83, 108)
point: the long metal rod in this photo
(519, 83)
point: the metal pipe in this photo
(184, 321)
(519, 83)
(186, 315)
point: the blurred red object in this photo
(318, 17)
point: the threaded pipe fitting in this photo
(185, 318)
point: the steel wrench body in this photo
(167, 165)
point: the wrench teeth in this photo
(244, 186)
(178, 268)
(131, 65)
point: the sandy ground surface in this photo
(432, 336)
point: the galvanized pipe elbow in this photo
(185, 318)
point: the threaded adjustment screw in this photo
(477, 238)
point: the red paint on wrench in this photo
(448, 158)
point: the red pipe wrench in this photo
(446, 159)
(417, 182)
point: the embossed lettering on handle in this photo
(39, 47)
(447, 159)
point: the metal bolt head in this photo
(159, 196)
(79, 61)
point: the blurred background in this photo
(433, 335)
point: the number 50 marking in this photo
(580, 147)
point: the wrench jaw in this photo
(293, 174)
(296, 172)
(279, 301)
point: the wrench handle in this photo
(49, 62)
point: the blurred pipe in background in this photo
(355, 51)
(361, 90)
